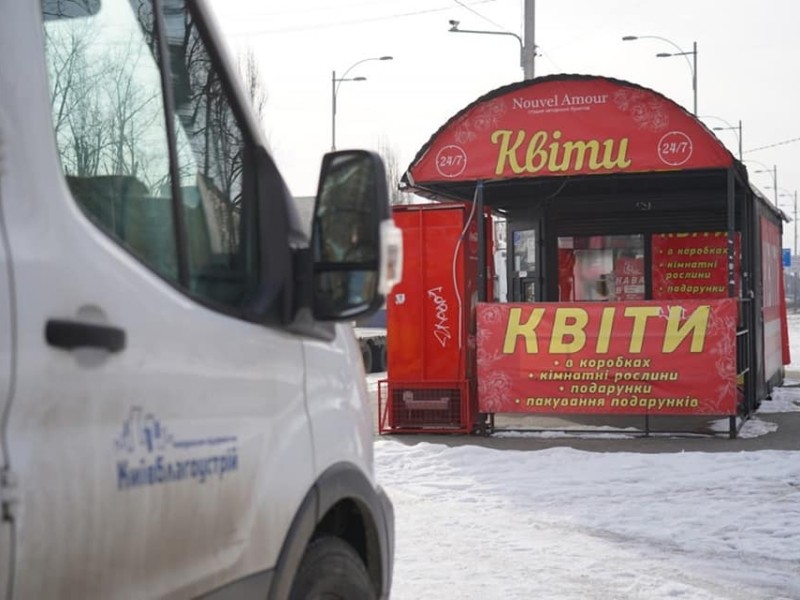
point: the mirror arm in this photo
(303, 278)
(303, 321)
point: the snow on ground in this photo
(793, 319)
(564, 524)
(784, 399)
(480, 523)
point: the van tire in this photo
(331, 569)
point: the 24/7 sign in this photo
(675, 148)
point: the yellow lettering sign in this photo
(640, 314)
(569, 328)
(696, 325)
(526, 330)
(569, 323)
(556, 156)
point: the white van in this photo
(181, 417)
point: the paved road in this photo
(787, 437)
(694, 434)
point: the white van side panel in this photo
(338, 400)
(6, 358)
(151, 472)
(6, 326)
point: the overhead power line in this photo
(345, 22)
(783, 143)
(475, 12)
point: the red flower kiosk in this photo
(643, 270)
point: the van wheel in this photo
(331, 570)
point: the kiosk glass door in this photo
(524, 265)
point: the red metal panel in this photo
(431, 322)
(773, 309)
(404, 355)
(428, 311)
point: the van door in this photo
(159, 435)
(6, 360)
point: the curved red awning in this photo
(566, 125)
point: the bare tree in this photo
(101, 106)
(209, 123)
(79, 125)
(133, 111)
(253, 83)
(393, 174)
(66, 55)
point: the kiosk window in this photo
(525, 250)
(523, 282)
(602, 268)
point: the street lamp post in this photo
(786, 194)
(527, 65)
(774, 173)
(793, 272)
(680, 52)
(734, 129)
(336, 82)
(794, 218)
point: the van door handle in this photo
(69, 335)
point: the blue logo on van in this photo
(143, 431)
(145, 436)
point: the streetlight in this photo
(793, 273)
(680, 52)
(737, 130)
(773, 172)
(522, 62)
(336, 82)
(786, 194)
(794, 218)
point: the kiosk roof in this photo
(573, 126)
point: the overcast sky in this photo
(748, 68)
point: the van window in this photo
(216, 176)
(109, 123)
(111, 131)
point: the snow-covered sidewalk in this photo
(564, 524)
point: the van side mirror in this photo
(356, 249)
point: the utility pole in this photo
(529, 47)
(795, 223)
(740, 140)
(795, 274)
(694, 81)
(775, 183)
